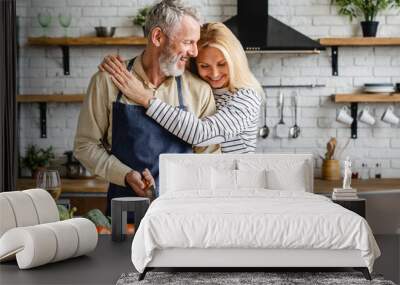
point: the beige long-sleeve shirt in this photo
(95, 119)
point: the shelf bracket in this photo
(354, 111)
(65, 52)
(335, 62)
(43, 119)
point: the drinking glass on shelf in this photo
(65, 21)
(44, 19)
(50, 181)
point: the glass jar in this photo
(364, 171)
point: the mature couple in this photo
(152, 104)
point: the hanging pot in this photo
(369, 28)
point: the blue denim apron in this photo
(137, 141)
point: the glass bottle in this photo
(372, 173)
(378, 171)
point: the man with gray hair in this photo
(108, 118)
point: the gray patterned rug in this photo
(243, 278)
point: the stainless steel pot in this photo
(105, 31)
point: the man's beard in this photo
(169, 63)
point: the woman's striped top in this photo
(233, 126)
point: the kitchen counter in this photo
(84, 194)
(90, 185)
(99, 186)
(87, 194)
(382, 201)
(362, 186)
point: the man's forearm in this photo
(96, 159)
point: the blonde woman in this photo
(221, 62)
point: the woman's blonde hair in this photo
(219, 36)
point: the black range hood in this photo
(258, 32)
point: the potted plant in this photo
(37, 159)
(368, 9)
(140, 18)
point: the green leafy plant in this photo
(36, 158)
(364, 8)
(140, 18)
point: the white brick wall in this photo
(40, 71)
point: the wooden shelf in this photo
(87, 41)
(62, 98)
(98, 185)
(368, 185)
(366, 97)
(335, 43)
(356, 98)
(360, 41)
(66, 43)
(94, 185)
(43, 100)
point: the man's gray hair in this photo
(167, 14)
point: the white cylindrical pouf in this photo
(67, 239)
(23, 207)
(45, 205)
(38, 245)
(87, 235)
(7, 218)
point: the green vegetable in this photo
(98, 218)
(64, 213)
